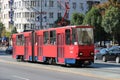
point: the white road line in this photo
(22, 78)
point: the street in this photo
(58, 39)
(10, 69)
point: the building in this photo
(39, 14)
(0, 10)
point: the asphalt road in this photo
(12, 70)
(18, 72)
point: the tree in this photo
(3, 32)
(111, 22)
(77, 19)
(105, 5)
(115, 3)
(1, 28)
(8, 34)
(14, 30)
(94, 18)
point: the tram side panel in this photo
(29, 52)
(54, 45)
(18, 46)
(49, 46)
(38, 46)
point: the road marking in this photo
(22, 78)
(59, 70)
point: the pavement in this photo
(2, 50)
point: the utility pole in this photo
(41, 17)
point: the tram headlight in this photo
(92, 53)
(80, 54)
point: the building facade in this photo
(39, 14)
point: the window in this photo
(53, 37)
(46, 37)
(67, 36)
(59, 5)
(32, 26)
(74, 5)
(74, 35)
(26, 14)
(26, 3)
(45, 3)
(51, 15)
(85, 36)
(33, 3)
(81, 6)
(51, 3)
(32, 14)
(51, 25)
(20, 40)
(59, 15)
(26, 26)
(19, 3)
(19, 15)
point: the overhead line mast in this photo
(66, 7)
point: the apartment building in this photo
(39, 14)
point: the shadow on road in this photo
(97, 64)
(105, 65)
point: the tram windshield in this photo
(85, 36)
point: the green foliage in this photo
(1, 28)
(117, 34)
(77, 19)
(3, 32)
(8, 34)
(14, 30)
(115, 3)
(93, 17)
(111, 21)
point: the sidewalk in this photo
(3, 48)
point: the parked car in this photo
(99, 55)
(9, 50)
(97, 50)
(112, 54)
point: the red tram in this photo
(64, 45)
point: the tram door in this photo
(14, 46)
(40, 48)
(60, 48)
(26, 56)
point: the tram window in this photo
(67, 35)
(73, 35)
(20, 40)
(36, 37)
(53, 37)
(46, 37)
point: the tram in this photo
(68, 45)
